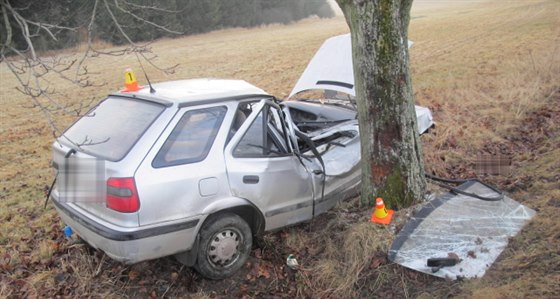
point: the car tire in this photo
(225, 245)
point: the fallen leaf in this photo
(250, 277)
(264, 273)
(243, 288)
(377, 261)
(132, 275)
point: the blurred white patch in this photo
(335, 7)
(81, 180)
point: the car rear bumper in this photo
(131, 246)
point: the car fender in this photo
(242, 207)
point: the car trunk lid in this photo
(95, 175)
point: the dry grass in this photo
(482, 71)
(482, 67)
(337, 272)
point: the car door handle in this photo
(251, 179)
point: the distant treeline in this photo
(134, 16)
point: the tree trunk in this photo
(392, 165)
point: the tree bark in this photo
(392, 164)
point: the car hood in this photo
(330, 68)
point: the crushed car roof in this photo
(197, 91)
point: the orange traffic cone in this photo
(130, 82)
(380, 214)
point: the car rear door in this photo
(184, 170)
(262, 168)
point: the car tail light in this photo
(122, 195)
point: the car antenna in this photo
(152, 90)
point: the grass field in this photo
(490, 72)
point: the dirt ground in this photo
(488, 70)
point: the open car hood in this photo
(330, 68)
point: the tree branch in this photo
(22, 22)
(89, 38)
(119, 27)
(144, 20)
(154, 8)
(8, 27)
(36, 75)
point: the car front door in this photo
(263, 169)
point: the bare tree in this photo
(33, 71)
(392, 160)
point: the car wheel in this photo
(225, 244)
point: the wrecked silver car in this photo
(196, 168)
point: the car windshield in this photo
(111, 128)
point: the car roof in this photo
(196, 91)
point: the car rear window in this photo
(111, 128)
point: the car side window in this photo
(191, 139)
(262, 139)
(243, 110)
